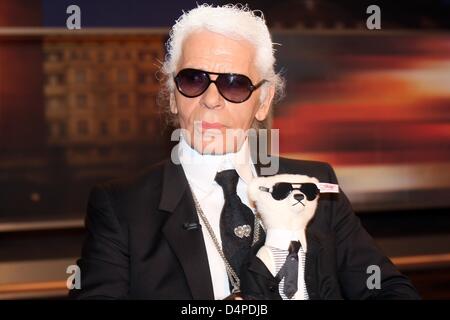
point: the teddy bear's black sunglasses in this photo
(282, 190)
(234, 87)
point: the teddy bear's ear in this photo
(253, 188)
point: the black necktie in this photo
(236, 221)
(289, 270)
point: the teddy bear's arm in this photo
(266, 256)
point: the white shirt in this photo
(278, 241)
(200, 171)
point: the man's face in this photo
(209, 119)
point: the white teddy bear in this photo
(285, 203)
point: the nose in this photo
(299, 196)
(211, 98)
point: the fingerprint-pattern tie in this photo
(236, 221)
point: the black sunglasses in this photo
(282, 190)
(233, 87)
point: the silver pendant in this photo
(243, 231)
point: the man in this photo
(168, 233)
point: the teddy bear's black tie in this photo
(236, 221)
(289, 271)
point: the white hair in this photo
(235, 21)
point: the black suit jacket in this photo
(138, 248)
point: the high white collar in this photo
(281, 238)
(201, 169)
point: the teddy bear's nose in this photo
(299, 196)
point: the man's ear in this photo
(173, 104)
(264, 108)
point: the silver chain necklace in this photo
(232, 276)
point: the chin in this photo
(213, 147)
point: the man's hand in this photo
(234, 296)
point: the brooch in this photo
(243, 231)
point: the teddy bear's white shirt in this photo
(274, 254)
(279, 258)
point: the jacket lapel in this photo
(320, 268)
(188, 245)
